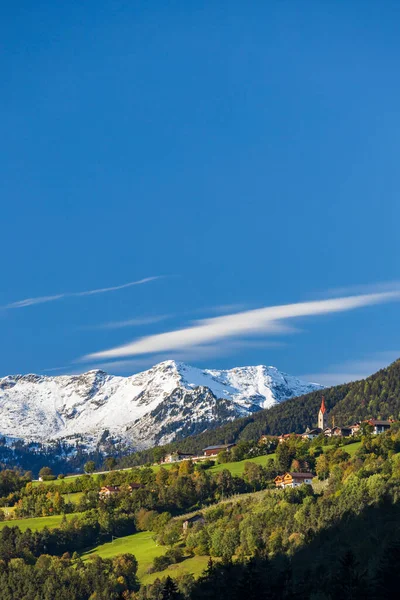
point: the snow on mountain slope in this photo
(169, 400)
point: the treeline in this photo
(53, 577)
(377, 396)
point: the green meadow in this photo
(145, 549)
(35, 523)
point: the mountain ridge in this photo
(169, 400)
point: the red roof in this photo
(323, 409)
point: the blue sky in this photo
(221, 157)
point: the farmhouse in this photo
(285, 436)
(215, 450)
(108, 490)
(293, 479)
(379, 426)
(193, 521)
(341, 431)
(135, 486)
(355, 429)
(310, 434)
(177, 456)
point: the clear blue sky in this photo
(246, 151)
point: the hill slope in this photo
(376, 396)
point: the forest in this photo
(273, 543)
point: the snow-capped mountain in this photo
(167, 402)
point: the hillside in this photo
(376, 396)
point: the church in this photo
(310, 434)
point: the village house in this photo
(341, 431)
(108, 490)
(377, 426)
(177, 456)
(293, 479)
(380, 426)
(196, 519)
(355, 429)
(311, 434)
(215, 450)
(135, 486)
(285, 436)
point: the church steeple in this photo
(322, 415)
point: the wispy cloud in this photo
(135, 322)
(267, 320)
(43, 299)
(195, 353)
(354, 370)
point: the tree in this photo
(322, 466)
(110, 463)
(170, 590)
(45, 473)
(159, 454)
(90, 466)
(284, 456)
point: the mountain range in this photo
(167, 402)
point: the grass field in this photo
(69, 479)
(140, 544)
(351, 448)
(195, 565)
(145, 550)
(36, 523)
(237, 468)
(73, 497)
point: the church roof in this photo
(323, 407)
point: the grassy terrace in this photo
(145, 550)
(35, 523)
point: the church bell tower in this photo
(322, 416)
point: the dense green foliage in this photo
(377, 396)
(65, 579)
(340, 542)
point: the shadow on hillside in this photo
(357, 558)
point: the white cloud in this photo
(353, 370)
(43, 299)
(135, 322)
(268, 320)
(195, 353)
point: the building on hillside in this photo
(311, 434)
(215, 450)
(379, 426)
(135, 486)
(322, 416)
(108, 490)
(355, 429)
(293, 479)
(177, 456)
(341, 431)
(196, 519)
(285, 436)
